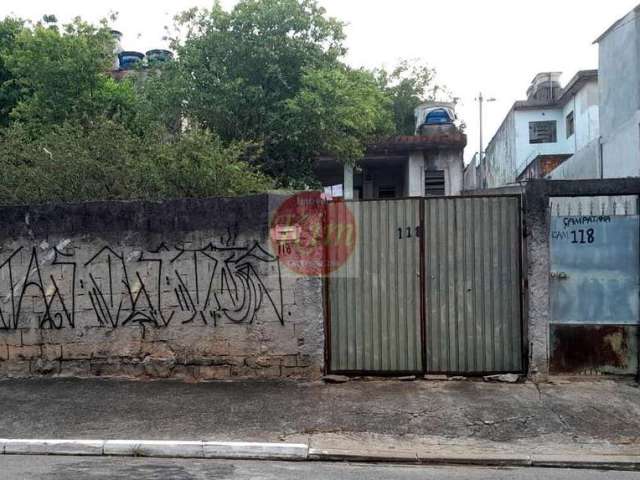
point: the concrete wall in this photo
(180, 289)
(583, 165)
(584, 105)
(452, 162)
(414, 175)
(537, 251)
(621, 150)
(619, 75)
(500, 160)
(470, 176)
(619, 66)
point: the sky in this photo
(490, 46)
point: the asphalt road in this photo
(97, 468)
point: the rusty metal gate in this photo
(594, 285)
(433, 285)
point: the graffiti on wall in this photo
(153, 289)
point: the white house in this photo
(542, 132)
(429, 163)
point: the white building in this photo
(429, 163)
(540, 133)
(618, 154)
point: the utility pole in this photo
(481, 100)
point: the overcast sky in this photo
(493, 46)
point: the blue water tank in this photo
(128, 59)
(438, 116)
(158, 56)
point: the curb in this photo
(159, 449)
(492, 459)
(302, 452)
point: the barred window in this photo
(543, 132)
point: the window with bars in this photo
(386, 191)
(434, 183)
(543, 132)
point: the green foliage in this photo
(336, 112)
(240, 66)
(408, 85)
(63, 75)
(159, 100)
(246, 72)
(106, 161)
(9, 91)
(259, 88)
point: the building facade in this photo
(539, 134)
(430, 163)
(616, 153)
(619, 63)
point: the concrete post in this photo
(347, 184)
(414, 177)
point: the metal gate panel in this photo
(473, 287)
(594, 285)
(374, 299)
(594, 270)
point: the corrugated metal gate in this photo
(463, 317)
(375, 296)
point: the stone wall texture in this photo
(186, 289)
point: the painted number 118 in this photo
(583, 236)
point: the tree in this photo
(408, 85)
(336, 112)
(242, 65)
(249, 74)
(9, 91)
(62, 74)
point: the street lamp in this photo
(480, 101)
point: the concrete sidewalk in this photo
(411, 420)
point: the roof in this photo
(438, 137)
(397, 148)
(617, 24)
(574, 85)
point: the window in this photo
(386, 191)
(434, 183)
(571, 125)
(542, 132)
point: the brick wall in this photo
(187, 289)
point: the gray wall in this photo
(452, 162)
(187, 289)
(619, 84)
(537, 233)
(500, 162)
(583, 165)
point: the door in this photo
(374, 298)
(473, 285)
(594, 287)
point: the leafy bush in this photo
(104, 161)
